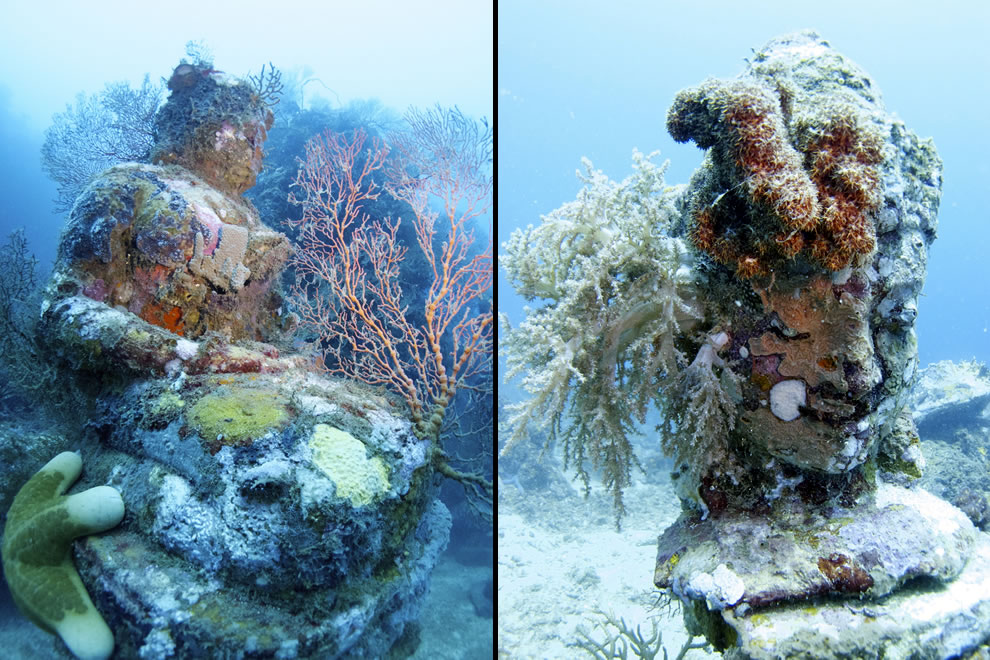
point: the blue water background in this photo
(402, 54)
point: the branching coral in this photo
(766, 198)
(619, 639)
(26, 371)
(98, 132)
(699, 415)
(268, 87)
(619, 295)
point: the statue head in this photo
(214, 125)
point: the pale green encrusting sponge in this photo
(344, 459)
(37, 546)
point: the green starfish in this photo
(37, 554)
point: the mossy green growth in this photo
(37, 560)
(898, 465)
(699, 620)
(405, 512)
(344, 459)
(167, 403)
(237, 415)
(158, 411)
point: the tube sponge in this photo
(37, 545)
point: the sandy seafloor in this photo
(450, 627)
(560, 558)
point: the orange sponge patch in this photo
(817, 202)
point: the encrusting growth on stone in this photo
(771, 197)
(225, 267)
(37, 546)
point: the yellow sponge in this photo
(344, 459)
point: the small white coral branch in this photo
(701, 413)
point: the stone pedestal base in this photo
(922, 620)
(901, 573)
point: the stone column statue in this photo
(767, 310)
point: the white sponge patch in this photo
(786, 399)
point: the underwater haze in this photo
(596, 79)
(186, 181)
(402, 54)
